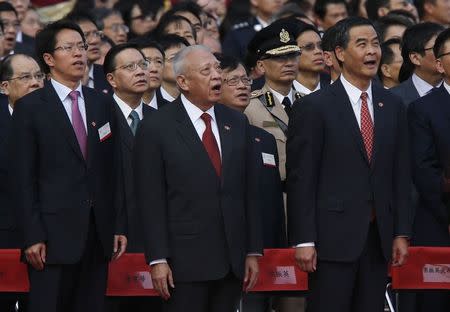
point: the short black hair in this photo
(101, 13)
(7, 7)
(420, 5)
(372, 7)
(387, 53)
(6, 70)
(383, 23)
(106, 39)
(329, 39)
(46, 39)
(441, 40)
(168, 19)
(414, 40)
(144, 43)
(171, 41)
(228, 62)
(320, 7)
(110, 58)
(80, 17)
(187, 6)
(344, 26)
(148, 8)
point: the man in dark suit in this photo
(418, 73)
(430, 146)
(196, 192)
(20, 75)
(63, 160)
(94, 76)
(348, 180)
(126, 71)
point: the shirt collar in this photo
(19, 36)
(194, 112)
(11, 110)
(304, 90)
(263, 24)
(354, 94)
(153, 102)
(126, 110)
(166, 95)
(280, 97)
(447, 87)
(421, 85)
(91, 72)
(63, 91)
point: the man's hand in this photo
(35, 255)
(120, 246)
(306, 258)
(161, 278)
(251, 272)
(399, 251)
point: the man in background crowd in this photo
(436, 11)
(379, 8)
(390, 64)
(329, 12)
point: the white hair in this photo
(179, 67)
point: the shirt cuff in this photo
(311, 244)
(254, 254)
(158, 261)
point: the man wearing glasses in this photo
(113, 25)
(428, 124)
(11, 27)
(20, 75)
(94, 76)
(64, 179)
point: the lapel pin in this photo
(93, 124)
(105, 91)
(380, 104)
(228, 128)
(257, 139)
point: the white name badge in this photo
(268, 159)
(104, 132)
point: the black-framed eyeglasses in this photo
(70, 48)
(131, 67)
(28, 77)
(443, 54)
(311, 46)
(234, 81)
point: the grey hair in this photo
(179, 67)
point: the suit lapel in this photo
(380, 123)
(5, 121)
(60, 118)
(347, 115)
(225, 133)
(125, 130)
(92, 118)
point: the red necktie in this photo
(366, 126)
(210, 143)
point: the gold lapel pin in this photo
(228, 128)
(380, 104)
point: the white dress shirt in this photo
(280, 97)
(126, 110)
(11, 110)
(153, 102)
(90, 83)
(63, 93)
(354, 95)
(304, 90)
(447, 87)
(166, 95)
(422, 87)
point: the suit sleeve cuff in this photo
(159, 261)
(254, 254)
(311, 244)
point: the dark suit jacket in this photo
(8, 234)
(100, 83)
(237, 39)
(271, 191)
(429, 124)
(407, 91)
(55, 190)
(159, 99)
(135, 233)
(27, 46)
(203, 225)
(332, 188)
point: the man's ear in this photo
(111, 81)
(386, 70)
(439, 66)
(49, 60)
(260, 66)
(340, 53)
(415, 58)
(382, 11)
(4, 87)
(182, 83)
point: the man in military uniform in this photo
(277, 57)
(236, 41)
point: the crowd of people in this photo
(202, 132)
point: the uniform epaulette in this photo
(240, 25)
(256, 93)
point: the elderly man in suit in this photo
(64, 179)
(430, 142)
(348, 180)
(196, 192)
